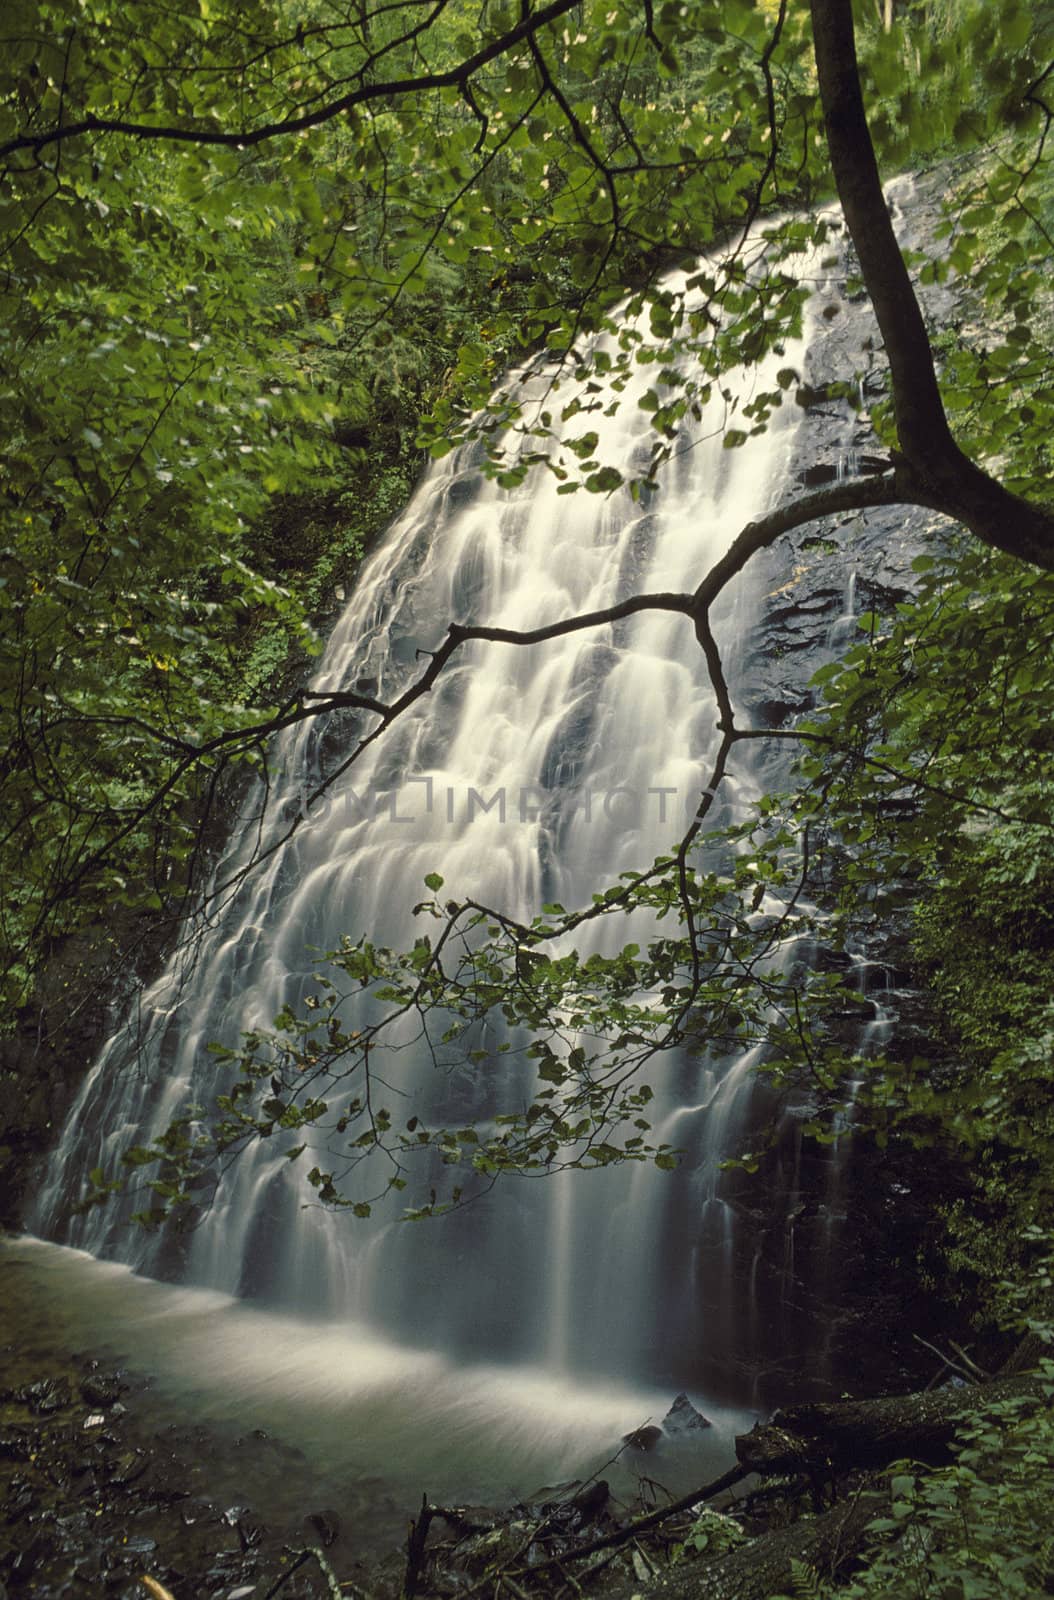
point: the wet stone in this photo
(227, 1570)
(251, 1534)
(326, 1524)
(643, 1438)
(140, 1544)
(21, 1495)
(101, 1390)
(46, 1396)
(128, 1467)
(682, 1419)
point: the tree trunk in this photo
(935, 472)
(847, 1434)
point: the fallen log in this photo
(843, 1434)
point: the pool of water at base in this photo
(302, 1414)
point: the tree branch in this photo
(392, 88)
(855, 494)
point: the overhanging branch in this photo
(897, 487)
(364, 93)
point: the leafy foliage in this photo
(230, 242)
(977, 1529)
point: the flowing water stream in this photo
(563, 1307)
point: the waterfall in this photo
(630, 1271)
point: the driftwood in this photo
(633, 1530)
(416, 1540)
(847, 1434)
(336, 1589)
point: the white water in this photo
(630, 1274)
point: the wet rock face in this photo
(819, 578)
(816, 583)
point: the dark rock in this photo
(774, 713)
(99, 1390)
(818, 473)
(682, 1418)
(15, 1443)
(46, 1396)
(128, 1467)
(645, 1438)
(250, 1534)
(21, 1496)
(228, 1568)
(578, 1510)
(240, 1518)
(885, 590)
(463, 490)
(825, 958)
(24, 1563)
(806, 608)
(326, 1524)
(590, 1501)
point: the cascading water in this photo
(630, 1272)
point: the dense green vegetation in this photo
(247, 250)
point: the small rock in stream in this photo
(326, 1524)
(645, 1438)
(101, 1390)
(682, 1418)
